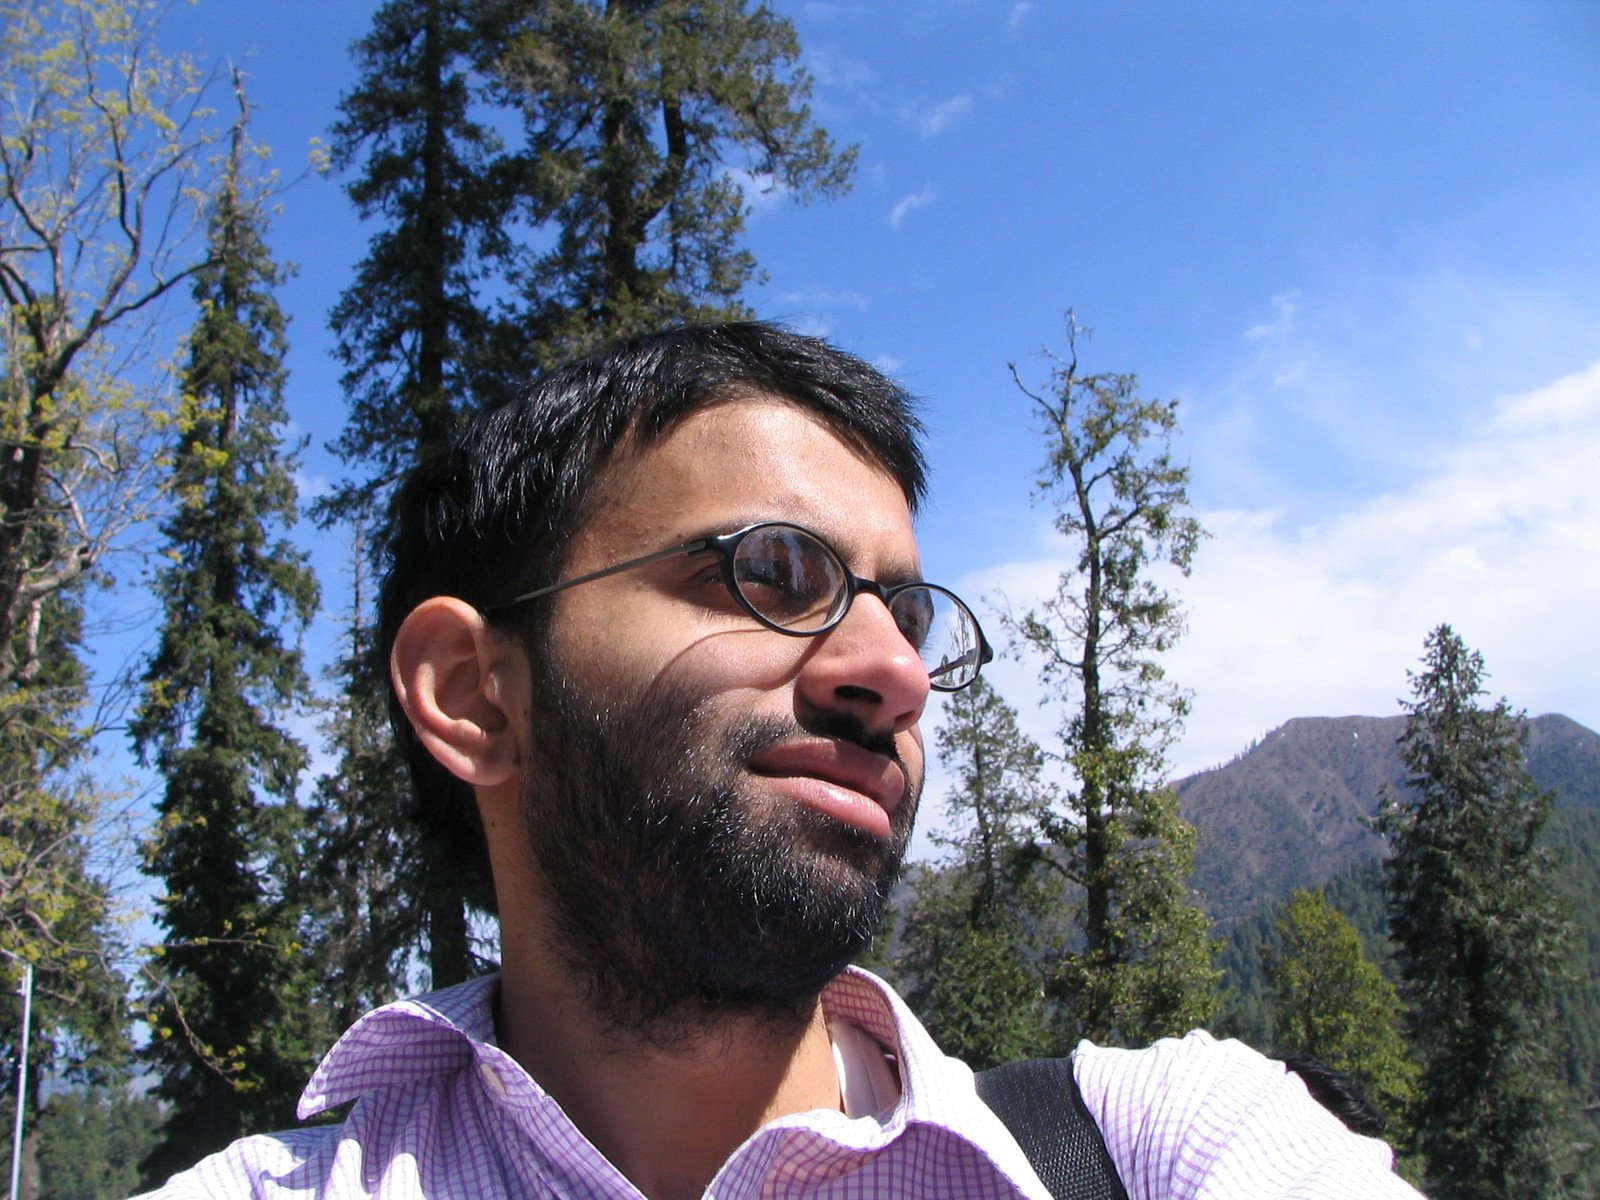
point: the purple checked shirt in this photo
(441, 1112)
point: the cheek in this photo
(634, 649)
(912, 754)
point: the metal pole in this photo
(25, 990)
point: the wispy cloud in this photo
(933, 121)
(1284, 307)
(833, 68)
(909, 205)
(1019, 14)
(824, 298)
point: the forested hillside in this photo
(1295, 811)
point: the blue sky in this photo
(1359, 242)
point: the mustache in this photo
(755, 734)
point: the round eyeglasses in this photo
(793, 582)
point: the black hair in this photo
(1337, 1092)
(493, 515)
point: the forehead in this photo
(742, 460)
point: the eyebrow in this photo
(896, 575)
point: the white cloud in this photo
(909, 205)
(1019, 13)
(941, 116)
(1284, 307)
(1497, 534)
(831, 67)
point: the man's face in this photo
(718, 810)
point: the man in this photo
(660, 646)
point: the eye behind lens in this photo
(790, 578)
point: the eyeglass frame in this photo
(723, 546)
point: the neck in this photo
(666, 1113)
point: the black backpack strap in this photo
(1039, 1102)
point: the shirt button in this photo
(491, 1080)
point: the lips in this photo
(838, 777)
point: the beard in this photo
(679, 895)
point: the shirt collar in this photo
(438, 1032)
(443, 1032)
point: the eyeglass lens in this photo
(798, 583)
(789, 577)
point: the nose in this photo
(865, 665)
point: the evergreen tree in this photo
(1332, 1004)
(1140, 965)
(230, 1012)
(359, 946)
(1475, 914)
(91, 1143)
(410, 323)
(411, 328)
(642, 118)
(970, 948)
(55, 906)
(616, 213)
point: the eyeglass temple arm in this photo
(693, 547)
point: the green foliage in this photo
(1143, 968)
(1481, 936)
(410, 326)
(971, 943)
(1245, 1010)
(1574, 836)
(91, 1143)
(971, 980)
(1154, 975)
(641, 116)
(55, 906)
(103, 141)
(414, 337)
(1334, 1005)
(229, 1006)
(100, 161)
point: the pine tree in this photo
(616, 213)
(360, 947)
(412, 331)
(971, 944)
(1140, 965)
(1332, 1003)
(230, 1012)
(91, 1142)
(642, 118)
(410, 323)
(1475, 914)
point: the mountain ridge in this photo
(1295, 808)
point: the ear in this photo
(454, 679)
